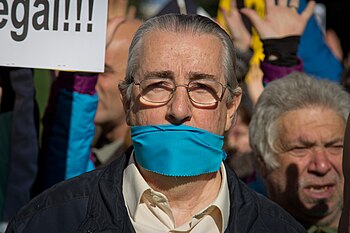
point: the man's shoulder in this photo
(258, 213)
(274, 217)
(66, 202)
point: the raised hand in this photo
(240, 35)
(112, 26)
(281, 19)
(120, 8)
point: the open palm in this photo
(281, 19)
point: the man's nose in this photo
(180, 106)
(320, 163)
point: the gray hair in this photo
(295, 91)
(178, 23)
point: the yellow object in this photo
(259, 7)
(226, 5)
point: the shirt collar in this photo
(134, 187)
(222, 201)
(104, 153)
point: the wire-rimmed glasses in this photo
(203, 92)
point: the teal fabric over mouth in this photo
(177, 150)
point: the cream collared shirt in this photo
(149, 210)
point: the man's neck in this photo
(186, 195)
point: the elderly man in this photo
(180, 95)
(344, 225)
(297, 132)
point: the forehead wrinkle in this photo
(173, 43)
(305, 141)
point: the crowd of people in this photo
(184, 131)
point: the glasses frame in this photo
(223, 89)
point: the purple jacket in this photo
(272, 72)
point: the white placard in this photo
(53, 34)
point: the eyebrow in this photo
(300, 141)
(166, 74)
(197, 75)
(307, 143)
(334, 141)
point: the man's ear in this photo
(126, 103)
(232, 111)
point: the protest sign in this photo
(53, 34)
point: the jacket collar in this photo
(106, 207)
(107, 211)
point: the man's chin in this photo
(322, 211)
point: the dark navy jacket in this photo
(93, 202)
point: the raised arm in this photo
(281, 19)
(280, 31)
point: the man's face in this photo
(309, 181)
(109, 108)
(181, 57)
(110, 111)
